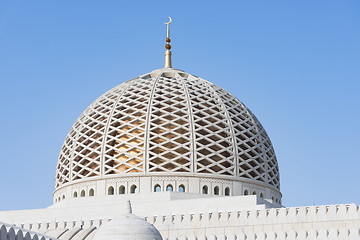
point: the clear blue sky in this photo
(295, 64)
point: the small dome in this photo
(168, 123)
(127, 227)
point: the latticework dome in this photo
(168, 123)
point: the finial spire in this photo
(168, 46)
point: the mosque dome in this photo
(127, 227)
(170, 125)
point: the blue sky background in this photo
(295, 64)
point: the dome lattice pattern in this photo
(167, 122)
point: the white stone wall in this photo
(315, 222)
(186, 216)
(12, 232)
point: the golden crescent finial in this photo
(168, 46)
(169, 21)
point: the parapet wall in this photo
(315, 222)
(9, 232)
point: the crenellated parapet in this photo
(273, 216)
(12, 232)
(313, 222)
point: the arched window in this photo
(261, 195)
(121, 189)
(75, 194)
(205, 189)
(63, 196)
(254, 193)
(227, 191)
(91, 192)
(181, 188)
(246, 192)
(169, 188)
(216, 190)
(157, 188)
(133, 189)
(111, 190)
(83, 193)
(59, 199)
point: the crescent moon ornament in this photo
(168, 30)
(169, 21)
